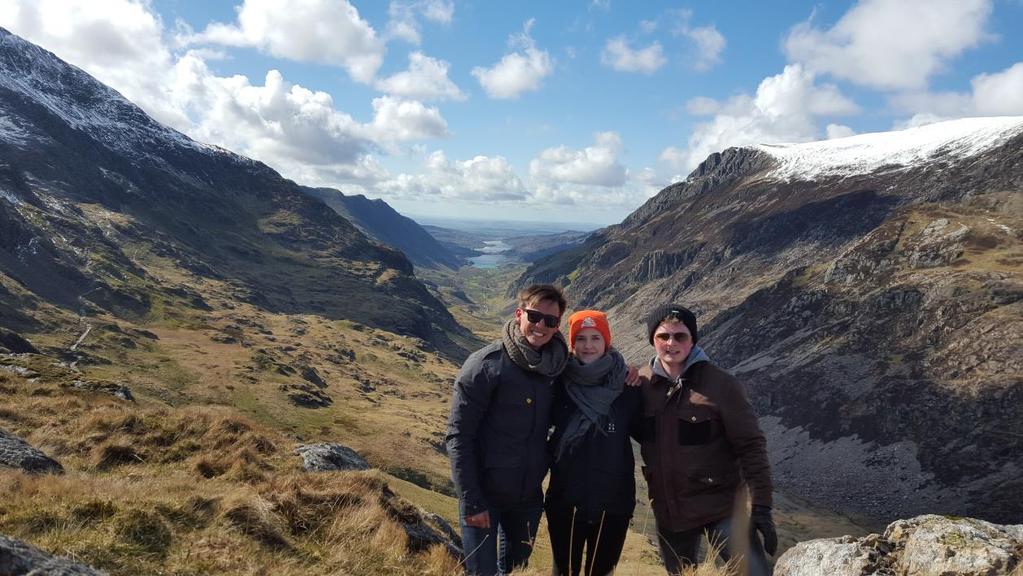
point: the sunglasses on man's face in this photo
(679, 337)
(535, 316)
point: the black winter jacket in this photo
(497, 431)
(598, 475)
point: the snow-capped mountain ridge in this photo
(865, 153)
(77, 99)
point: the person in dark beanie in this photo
(592, 491)
(497, 433)
(701, 442)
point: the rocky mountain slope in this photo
(379, 221)
(91, 188)
(869, 291)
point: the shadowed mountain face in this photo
(875, 316)
(379, 221)
(89, 184)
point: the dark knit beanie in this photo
(670, 312)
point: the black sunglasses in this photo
(534, 316)
(678, 336)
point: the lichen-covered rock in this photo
(942, 546)
(118, 390)
(16, 453)
(927, 545)
(844, 556)
(20, 559)
(328, 457)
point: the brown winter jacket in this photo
(699, 443)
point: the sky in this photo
(571, 111)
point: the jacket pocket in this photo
(695, 432)
(710, 479)
(503, 474)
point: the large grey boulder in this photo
(18, 454)
(940, 546)
(328, 457)
(843, 556)
(927, 545)
(20, 559)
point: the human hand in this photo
(761, 521)
(632, 377)
(481, 520)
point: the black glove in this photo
(761, 521)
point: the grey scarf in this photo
(549, 360)
(593, 388)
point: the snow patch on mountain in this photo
(896, 150)
(12, 133)
(9, 196)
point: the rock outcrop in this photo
(16, 343)
(18, 454)
(330, 457)
(20, 559)
(923, 546)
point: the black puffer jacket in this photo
(599, 474)
(497, 432)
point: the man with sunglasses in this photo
(701, 442)
(497, 433)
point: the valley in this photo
(179, 323)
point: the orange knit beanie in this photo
(588, 319)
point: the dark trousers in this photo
(506, 545)
(571, 533)
(681, 549)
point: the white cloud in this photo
(323, 31)
(404, 22)
(991, 94)
(709, 46)
(425, 79)
(707, 40)
(999, 93)
(784, 109)
(618, 55)
(891, 44)
(395, 119)
(702, 106)
(839, 131)
(517, 72)
(279, 123)
(595, 165)
(479, 179)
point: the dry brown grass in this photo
(194, 490)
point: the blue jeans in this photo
(681, 549)
(506, 545)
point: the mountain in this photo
(869, 292)
(96, 196)
(379, 221)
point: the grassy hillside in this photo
(198, 476)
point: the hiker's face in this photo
(672, 342)
(589, 345)
(538, 333)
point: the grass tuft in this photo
(144, 530)
(110, 456)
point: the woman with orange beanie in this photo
(592, 490)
